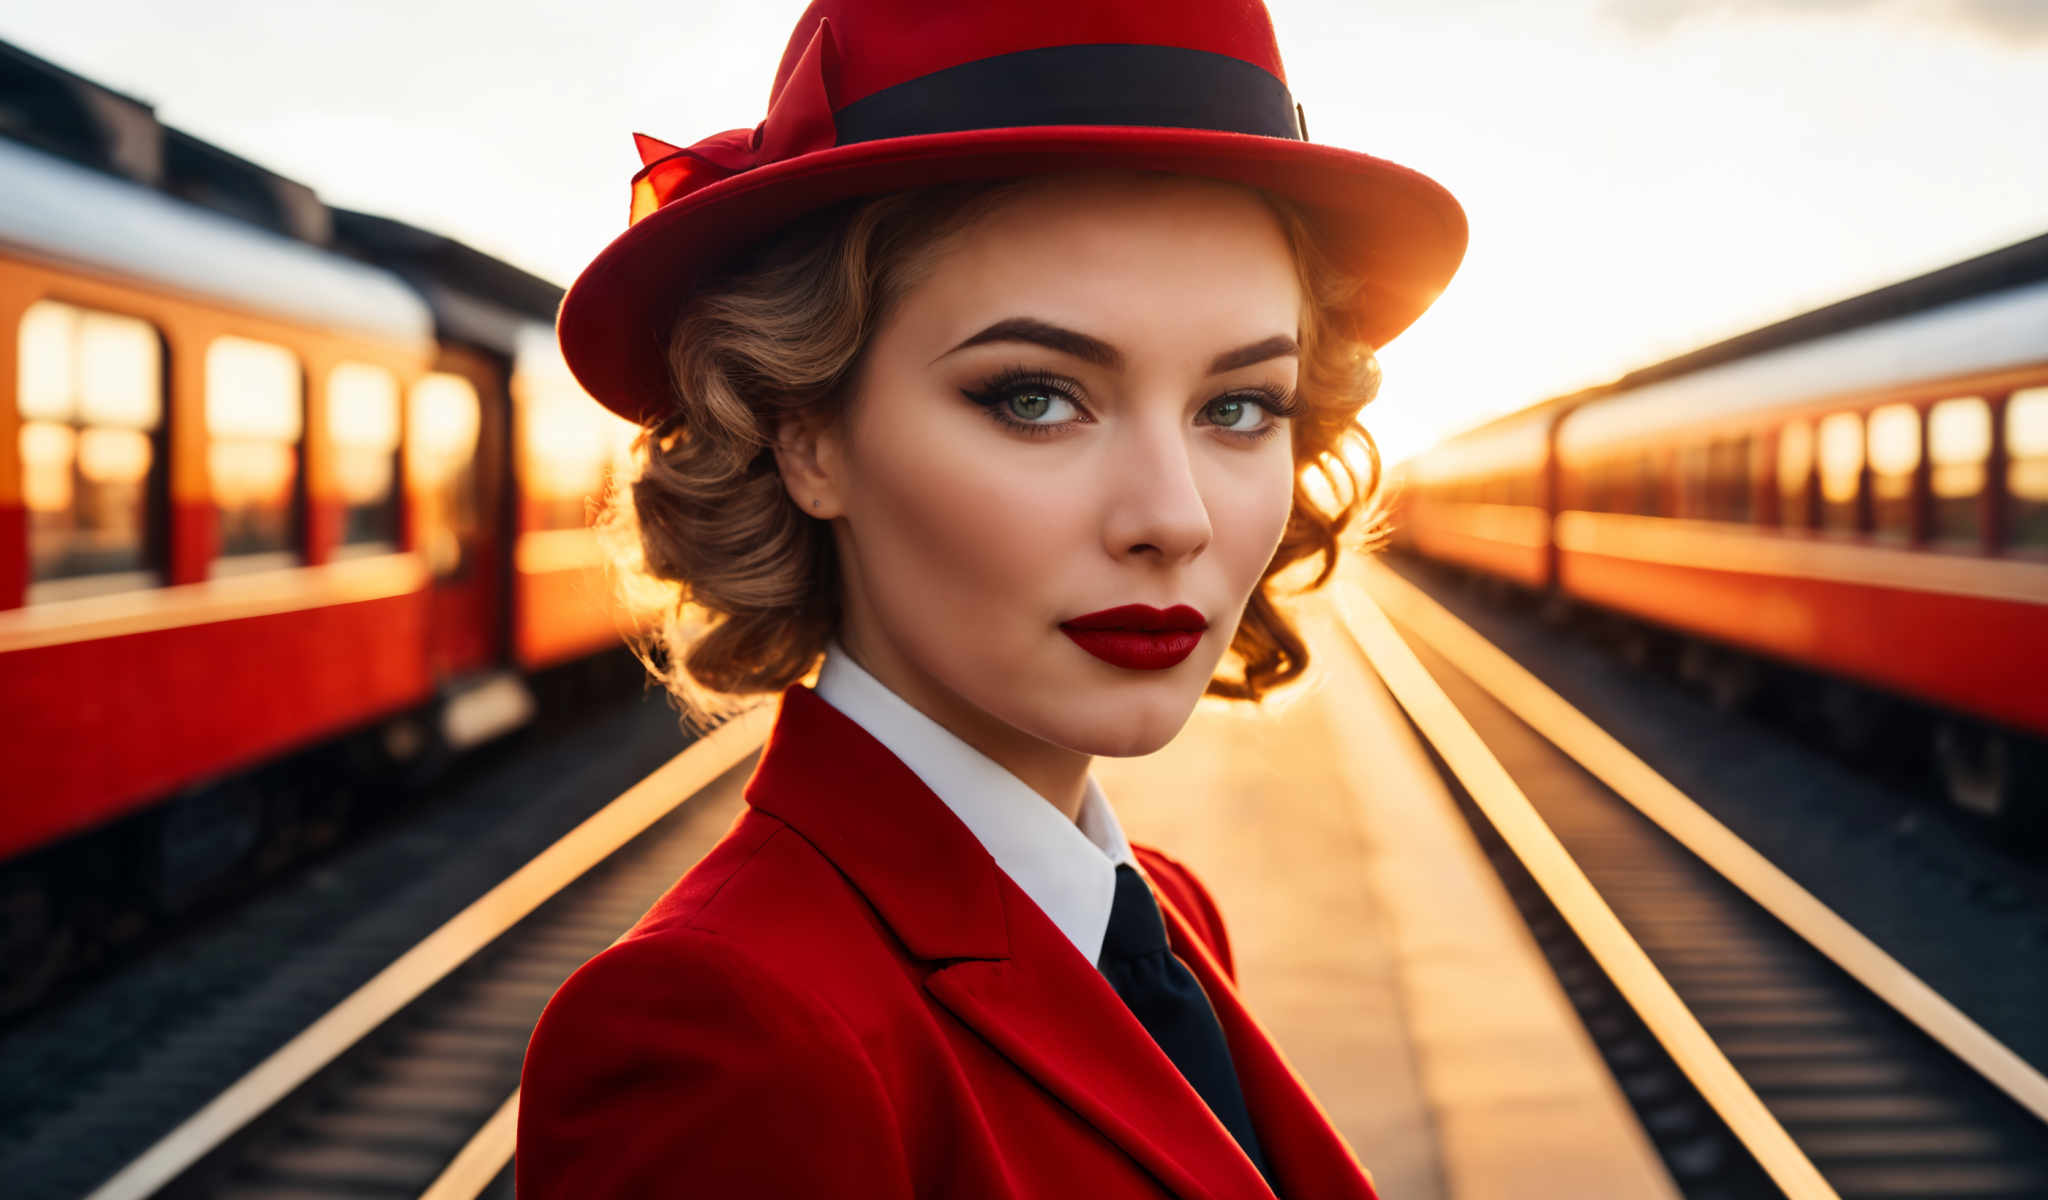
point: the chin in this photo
(1127, 730)
(1100, 743)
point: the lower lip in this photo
(1137, 650)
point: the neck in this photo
(1057, 774)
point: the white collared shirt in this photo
(1068, 868)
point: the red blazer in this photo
(847, 997)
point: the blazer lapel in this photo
(1010, 975)
(1052, 1013)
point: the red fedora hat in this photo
(874, 96)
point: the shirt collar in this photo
(1067, 868)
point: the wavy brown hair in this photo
(745, 586)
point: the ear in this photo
(807, 455)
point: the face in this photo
(985, 486)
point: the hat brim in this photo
(1395, 228)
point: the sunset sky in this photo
(1641, 176)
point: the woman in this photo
(987, 370)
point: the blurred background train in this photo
(1841, 517)
(277, 480)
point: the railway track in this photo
(408, 1087)
(1768, 1046)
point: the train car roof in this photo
(1986, 332)
(1516, 441)
(538, 356)
(62, 210)
(2009, 267)
(475, 298)
(1516, 419)
(1512, 441)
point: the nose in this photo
(1155, 505)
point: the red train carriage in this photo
(273, 476)
(202, 558)
(1864, 504)
(1483, 499)
(1861, 491)
(544, 453)
(567, 447)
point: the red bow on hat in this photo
(799, 122)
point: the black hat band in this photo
(1100, 84)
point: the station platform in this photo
(1377, 946)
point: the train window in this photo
(2026, 449)
(441, 433)
(1649, 490)
(1624, 484)
(1586, 484)
(1894, 460)
(1840, 458)
(1618, 485)
(362, 425)
(1759, 504)
(1795, 475)
(1958, 449)
(1587, 487)
(255, 418)
(1728, 490)
(1694, 481)
(91, 402)
(571, 444)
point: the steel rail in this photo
(481, 1158)
(1636, 782)
(1505, 806)
(441, 952)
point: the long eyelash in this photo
(1280, 402)
(989, 395)
(1008, 382)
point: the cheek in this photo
(959, 529)
(1261, 502)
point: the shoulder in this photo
(679, 1055)
(763, 885)
(1184, 888)
(696, 1049)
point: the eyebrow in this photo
(1102, 354)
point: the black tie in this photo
(1163, 994)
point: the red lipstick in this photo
(1138, 636)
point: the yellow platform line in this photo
(442, 951)
(1629, 777)
(481, 1158)
(1567, 887)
